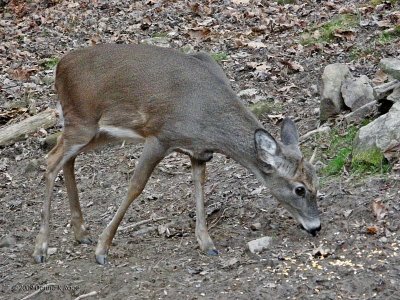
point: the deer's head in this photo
(291, 178)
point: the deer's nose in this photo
(314, 231)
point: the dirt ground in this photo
(354, 256)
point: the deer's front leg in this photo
(199, 177)
(153, 153)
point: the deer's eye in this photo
(300, 191)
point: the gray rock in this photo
(391, 66)
(331, 98)
(51, 140)
(395, 95)
(260, 244)
(7, 241)
(255, 226)
(33, 165)
(382, 134)
(357, 92)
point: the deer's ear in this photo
(289, 134)
(266, 147)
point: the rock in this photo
(331, 98)
(51, 140)
(395, 95)
(32, 165)
(255, 226)
(260, 244)
(7, 241)
(248, 93)
(383, 134)
(357, 92)
(391, 66)
(51, 251)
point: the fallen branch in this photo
(140, 223)
(383, 90)
(16, 132)
(41, 289)
(321, 129)
(360, 113)
(94, 293)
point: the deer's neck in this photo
(236, 140)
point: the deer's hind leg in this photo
(62, 154)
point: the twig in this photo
(315, 131)
(312, 159)
(217, 220)
(38, 291)
(94, 293)
(152, 228)
(141, 223)
(361, 112)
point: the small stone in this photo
(383, 239)
(255, 226)
(256, 246)
(33, 165)
(51, 140)
(51, 251)
(7, 241)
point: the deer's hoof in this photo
(101, 259)
(212, 252)
(39, 258)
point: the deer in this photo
(171, 102)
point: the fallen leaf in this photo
(379, 210)
(293, 65)
(199, 33)
(347, 213)
(256, 45)
(372, 230)
(347, 34)
(322, 251)
(380, 77)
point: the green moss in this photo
(387, 37)
(340, 154)
(370, 161)
(160, 35)
(219, 56)
(328, 29)
(377, 2)
(360, 52)
(339, 150)
(283, 2)
(50, 63)
(264, 107)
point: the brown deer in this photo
(172, 102)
